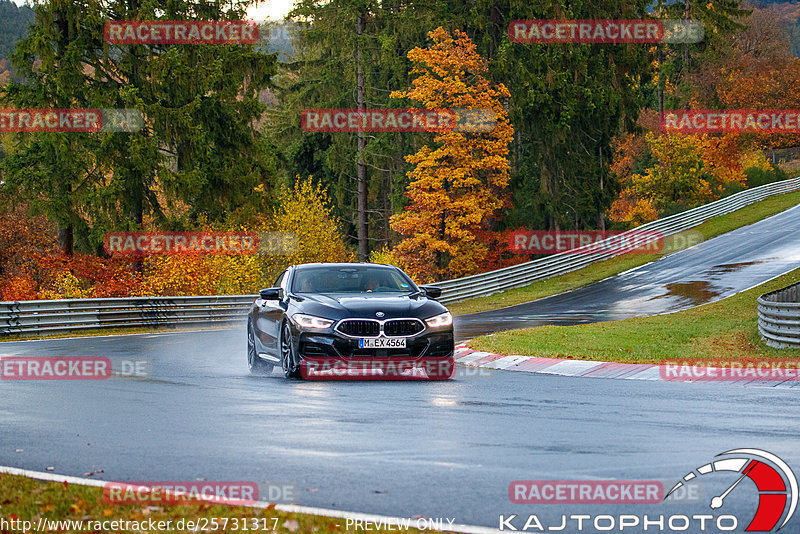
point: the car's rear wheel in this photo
(256, 365)
(290, 368)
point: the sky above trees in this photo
(269, 9)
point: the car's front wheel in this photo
(256, 365)
(290, 368)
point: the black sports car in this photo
(350, 320)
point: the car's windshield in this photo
(355, 279)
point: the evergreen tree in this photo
(197, 153)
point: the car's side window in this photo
(285, 282)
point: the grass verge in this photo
(726, 328)
(604, 269)
(26, 499)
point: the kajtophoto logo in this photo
(775, 494)
(774, 479)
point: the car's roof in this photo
(343, 265)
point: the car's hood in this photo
(340, 306)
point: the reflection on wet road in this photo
(432, 449)
(695, 292)
(710, 271)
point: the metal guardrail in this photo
(480, 285)
(779, 317)
(75, 315)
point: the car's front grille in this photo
(359, 327)
(403, 327)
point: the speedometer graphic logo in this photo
(775, 481)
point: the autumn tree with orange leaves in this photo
(459, 184)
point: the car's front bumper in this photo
(375, 368)
(335, 345)
(333, 356)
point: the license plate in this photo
(381, 343)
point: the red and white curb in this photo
(580, 368)
(380, 520)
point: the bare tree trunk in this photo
(136, 187)
(686, 72)
(65, 235)
(496, 18)
(65, 239)
(361, 168)
(660, 82)
(387, 205)
(601, 219)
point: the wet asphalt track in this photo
(414, 448)
(399, 448)
(704, 273)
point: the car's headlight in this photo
(310, 321)
(444, 319)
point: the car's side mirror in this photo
(432, 292)
(271, 293)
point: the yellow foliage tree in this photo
(459, 185)
(690, 170)
(305, 214)
(308, 232)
